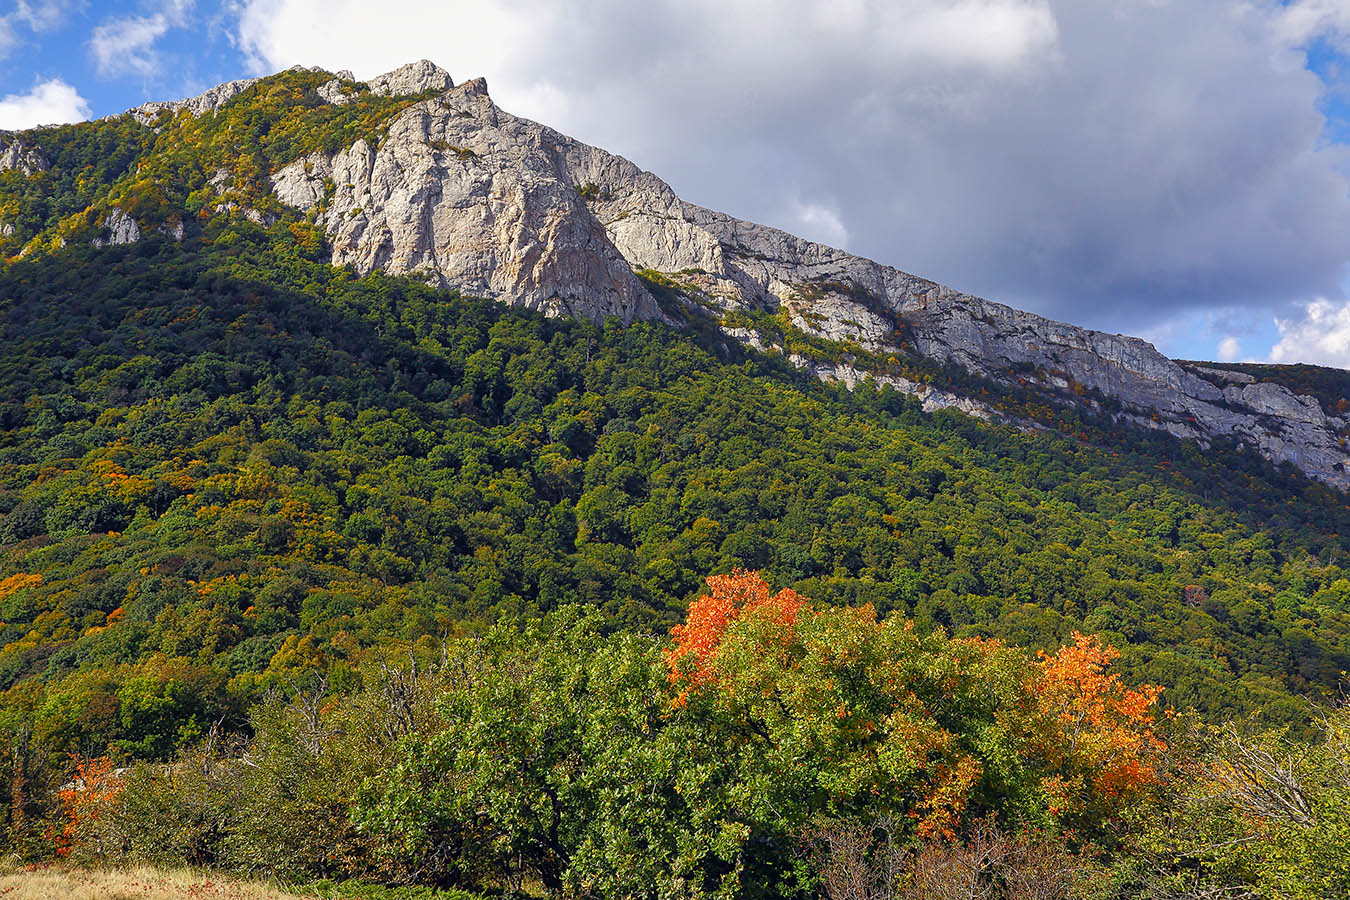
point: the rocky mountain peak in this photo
(208, 101)
(473, 198)
(407, 80)
(413, 78)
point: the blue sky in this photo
(182, 49)
(1332, 66)
(1175, 169)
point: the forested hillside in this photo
(244, 459)
(233, 478)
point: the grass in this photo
(133, 884)
(147, 883)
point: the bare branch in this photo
(1262, 782)
(855, 861)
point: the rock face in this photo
(15, 155)
(1155, 392)
(119, 228)
(332, 92)
(930, 398)
(474, 198)
(414, 78)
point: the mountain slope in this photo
(452, 188)
(219, 448)
(323, 570)
(499, 206)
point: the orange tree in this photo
(1098, 740)
(86, 800)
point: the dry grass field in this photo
(132, 884)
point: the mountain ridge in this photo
(470, 197)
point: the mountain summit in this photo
(458, 191)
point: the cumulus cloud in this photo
(1230, 349)
(666, 34)
(1321, 335)
(48, 103)
(1110, 163)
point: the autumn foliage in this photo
(1102, 735)
(87, 799)
(740, 595)
(886, 719)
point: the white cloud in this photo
(1113, 163)
(43, 15)
(1230, 349)
(1305, 20)
(477, 37)
(49, 103)
(1320, 336)
(819, 223)
(178, 12)
(36, 17)
(127, 46)
(8, 39)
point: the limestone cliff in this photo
(472, 198)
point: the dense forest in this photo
(285, 552)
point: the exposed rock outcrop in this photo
(118, 228)
(930, 398)
(1155, 392)
(209, 101)
(1223, 376)
(15, 155)
(332, 92)
(414, 78)
(472, 197)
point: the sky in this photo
(1173, 169)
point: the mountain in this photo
(300, 249)
(494, 205)
(381, 475)
(473, 198)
